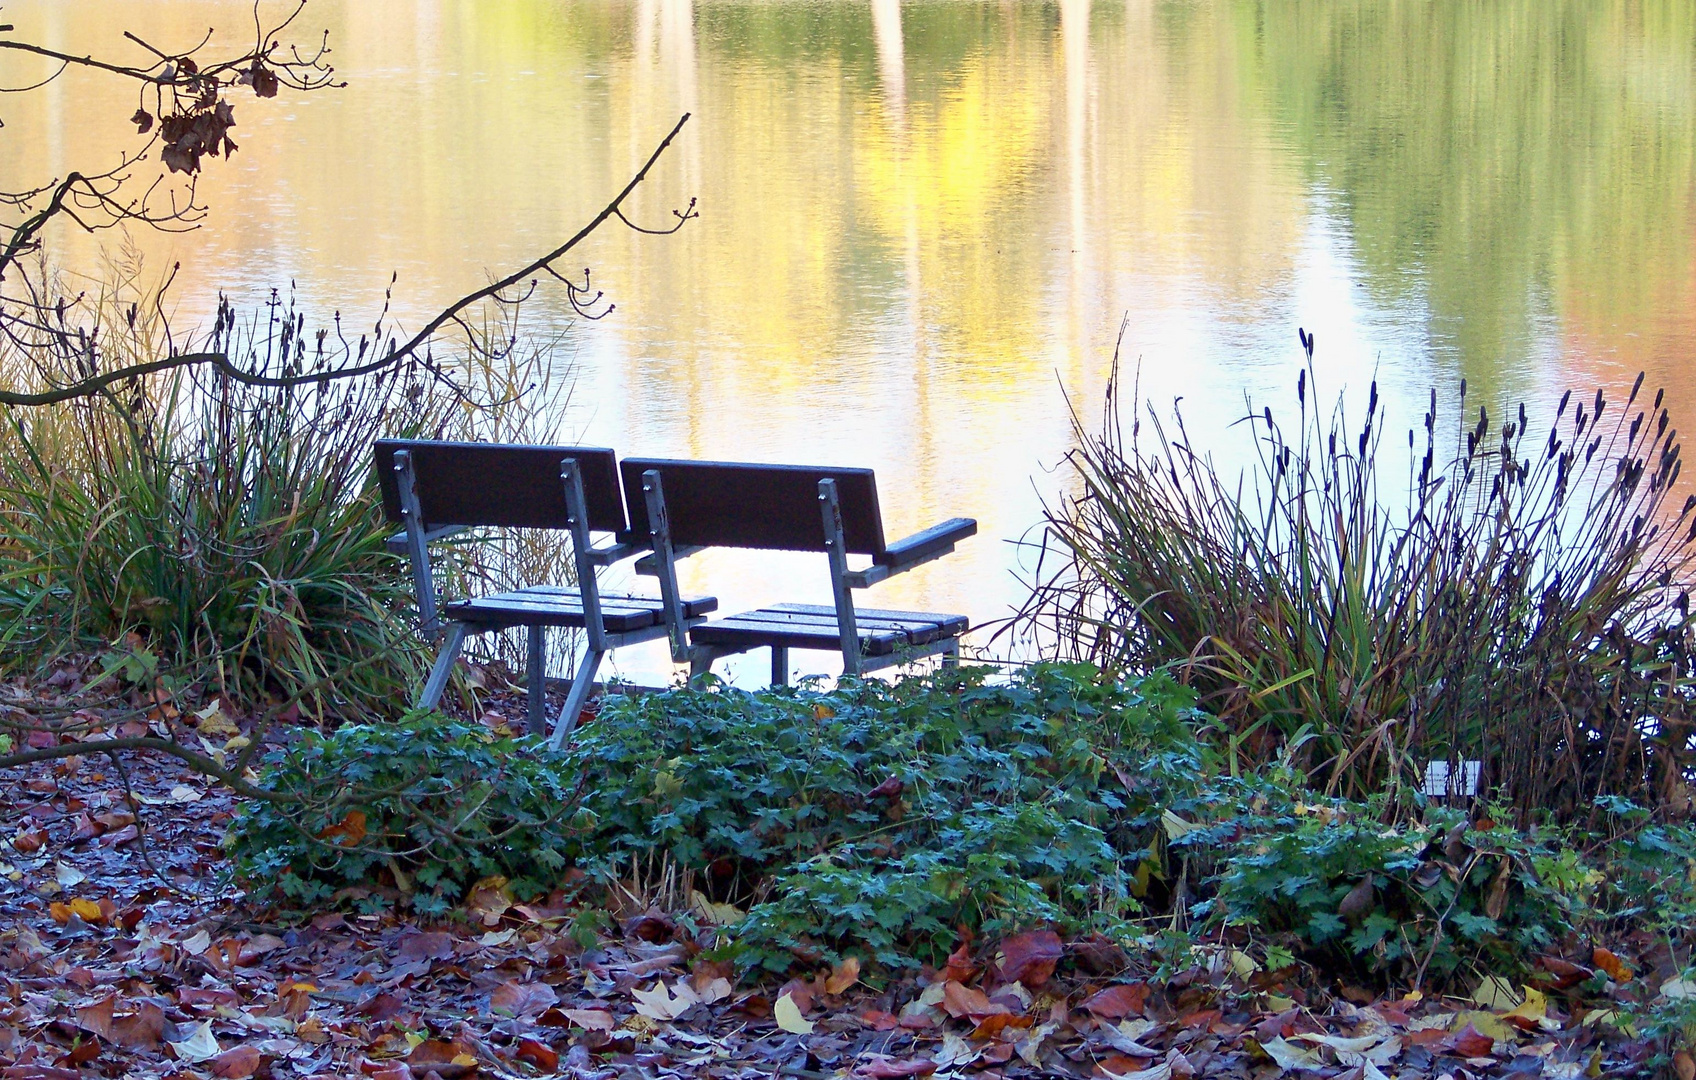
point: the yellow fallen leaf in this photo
(1496, 994)
(1535, 1006)
(1176, 827)
(789, 1018)
(1487, 1023)
(86, 910)
(716, 914)
(213, 723)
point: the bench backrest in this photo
(496, 484)
(737, 504)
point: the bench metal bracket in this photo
(830, 507)
(417, 546)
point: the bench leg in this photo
(951, 655)
(780, 665)
(438, 680)
(575, 700)
(536, 679)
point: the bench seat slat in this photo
(746, 634)
(813, 627)
(546, 605)
(950, 625)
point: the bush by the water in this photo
(1524, 605)
(888, 819)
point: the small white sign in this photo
(1442, 783)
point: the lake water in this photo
(923, 223)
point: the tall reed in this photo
(237, 529)
(1525, 605)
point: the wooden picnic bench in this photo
(434, 489)
(681, 507)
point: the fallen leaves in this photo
(113, 976)
(1027, 958)
(789, 1018)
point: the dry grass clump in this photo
(1525, 604)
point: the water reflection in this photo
(922, 220)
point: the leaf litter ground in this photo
(122, 953)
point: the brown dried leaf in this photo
(843, 975)
(538, 1054)
(1028, 958)
(236, 1063)
(525, 1000)
(960, 1000)
(1117, 1002)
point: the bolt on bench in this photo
(684, 506)
(435, 489)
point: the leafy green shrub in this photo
(1524, 604)
(1411, 902)
(890, 816)
(419, 809)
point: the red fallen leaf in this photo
(446, 1059)
(1098, 954)
(385, 1070)
(236, 1063)
(998, 1053)
(799, 992)
(960, 967)
(1115, 1065)
(1424, 1037)
(1117, 1002)
(882, 1068)
(960, 1000)
(1613, 965)
(28, 841)
(1028, 958)
(991, 1026)
(348, 832)
(114, 819)
(190, 996)
(41, 739)
(38, 1072)
(524, 1000)
(81, 1054)
(141, 1029)
(1203, 1019)
(1563, 973)
(383, 1006)
(652, 927)
(889, 789)
(1469, 1042)
(125, 835)
(97, 1018)
(538, 1054)
(878, 1020)
(432, 946)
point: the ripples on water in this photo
(922, 223)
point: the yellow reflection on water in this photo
(923, 221)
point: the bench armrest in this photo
(924, 546)
(614, 553)
(648, 565)
(915, 550)
(397, 543)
